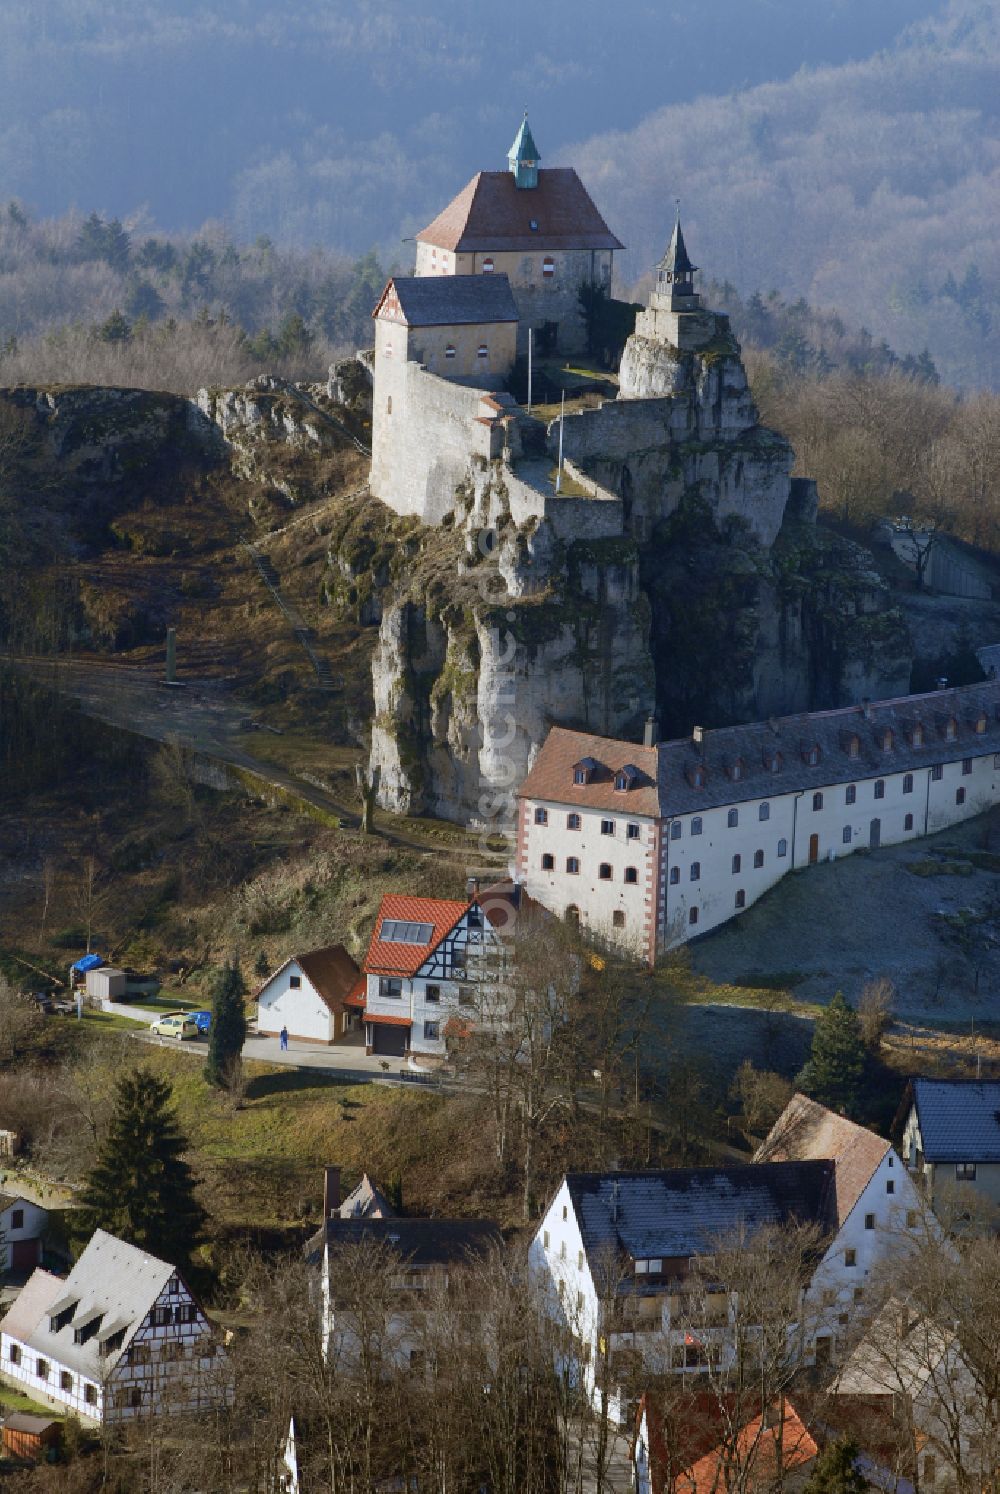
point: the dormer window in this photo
(886, 739)
(696, 775)
(811, 754)
(772, 760)
(851, 743)
(625, 778)
(583, 771)
(950, 729)
(979, 725)
(917, 734)
(737, 769)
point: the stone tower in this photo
(675, 314)
(523, 156)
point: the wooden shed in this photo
(26, 1436)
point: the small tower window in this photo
(693, 916)
(488, 265)
(737, 863)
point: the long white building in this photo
(649, 845)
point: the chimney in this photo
(331, 1191)
(472, 887)
(942, 683)
(697, 735)
(651, 733)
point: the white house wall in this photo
(782, 842)
(33, 1225)
(303, 1011)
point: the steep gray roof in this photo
(768, 758)
(112, 1280)
(686, 1211)
(676, 258)
(454, 300)
(420, 1242)
(959, 1120)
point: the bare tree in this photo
(876, 1006)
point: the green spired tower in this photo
(523, 156)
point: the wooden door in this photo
(875, 834)
(813, 849)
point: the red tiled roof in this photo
(757, 1443)
(685, 1456)
(492, 213)
(406, 959)
(806, 1131)
(551, 775)
(381, 1021)
(356, 995)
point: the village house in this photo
(951, 1145)
(434, 967)
(694, 1454)
(310, 995)
(420, 1255)
(877, 1213)
(649, 845)
(537, 226)
(122, 1336)
(22, 1226)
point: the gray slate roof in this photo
(959, 1120)
(420, 1242)
(117, 1281)
(455, 300)
(686, 1211)
(784, 742)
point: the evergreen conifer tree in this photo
(835, 1071)
(140, 1188)
(228, 1032)
(834, 1471)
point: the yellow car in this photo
(177, 1025)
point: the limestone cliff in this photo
(686, 573)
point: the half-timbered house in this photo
(433, 967)
(122, 1336)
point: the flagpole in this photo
(562, 417)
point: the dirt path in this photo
(203, 716)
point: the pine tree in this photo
(228, 1032)
(834, 1471)
(140, 1188)
(836, 1066)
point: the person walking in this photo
(284, 1040)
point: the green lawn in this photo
(14, 1399)
(164, 1002)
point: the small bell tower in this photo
(523, 157)
(674, 289)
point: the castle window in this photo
(572, 866)
(675, 875)
(541, 817)
(908, 822)
(741, 899)
(907, 783)
(548, 266)
(782, 847)
(696, 825)
(572, 822)
(607, 827)
(847, 835)
(960, 796)
(676, 830)
(817, 801)
(966, 765)
(631, 874)
(449, 351)
(937, 772)
(733, 818)
(880, 788)
(633, 832)
(692, 916)
(604, 871)
(737, 863)
(482, 351)
(618, 919)
(758, 859)
(548, 862)
(764, 812)
(695, 871)
(488, 265)
(851, 796)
